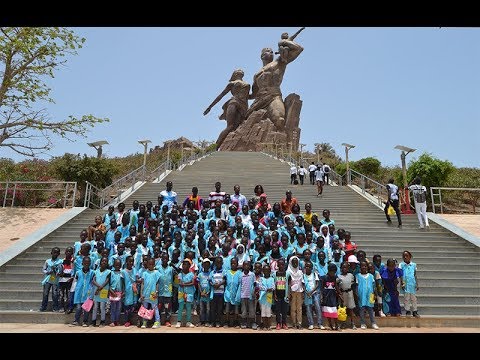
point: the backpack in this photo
(327, 169)
(420, 196)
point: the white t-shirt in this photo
(312, 167)
(311, 280)
(419, 193)
(393, 191)
(293, 170)
(302, 171)
(319, 174)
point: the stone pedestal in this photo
(258, 129)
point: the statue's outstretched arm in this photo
(218, 98)
(294, 50)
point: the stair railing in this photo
(99, 198)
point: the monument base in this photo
(258, 130)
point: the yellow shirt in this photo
(308, 217)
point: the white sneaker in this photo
(322, 327)
(363, 327)
(178, 324)
(382, 314)
(310, 327)
(189, 324)
(195, 312)
(375, 326)
(156, 325)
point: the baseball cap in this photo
(353, 259)
(206, 260)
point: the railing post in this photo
(86, 193)
(433, 201)
(65, 196)
(6, 193)
(363, 184)
(14, 192)
(74, 194)
(441, 202)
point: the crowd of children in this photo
(227, 259)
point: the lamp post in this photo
(168, 153)
(301, 153)
(317, 150)
(348, 147)
(145, 146)
(405, 151)
(97, 145)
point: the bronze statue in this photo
(266, 83)
(235, 108)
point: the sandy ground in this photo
(62, 328)
(469, 223)
(18, 223)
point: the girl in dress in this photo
(330, 294)
(391, 277)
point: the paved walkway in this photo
(469, 223)
(61, 328)
(19, 222)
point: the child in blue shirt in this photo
(101, 281)
(149, 292)
(205, 292)
(130, 287)
(267, 287)
(217, 280)
(186, 291)
(116, 292)
(409, 284)
(83, 290)
(366, 290)
(165, 287)
(231, 294)
(312, 295)
(52, 268)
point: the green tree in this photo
(368, 166)
(466, 178)
(97, 171)
(432, 171)
(28, 56)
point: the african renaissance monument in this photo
(270, 119)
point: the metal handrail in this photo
(104, 195)
(157, 172)
(363, 180)
(439, 194)
(16, 186)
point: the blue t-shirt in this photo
(185, 293)
(165, 285)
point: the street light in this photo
(97, 145)
(317, 149)
(348, 147)
(145, 144)
(301, 152)
(167, 142)
(405, 151)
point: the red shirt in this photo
(286, 205)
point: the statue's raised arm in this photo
(288, 49)
(235, 108)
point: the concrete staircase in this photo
(448, 266)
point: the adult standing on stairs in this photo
(311, 169)
(392, 191)
(420, 199)
(169, 196)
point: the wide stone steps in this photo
(448, 267)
